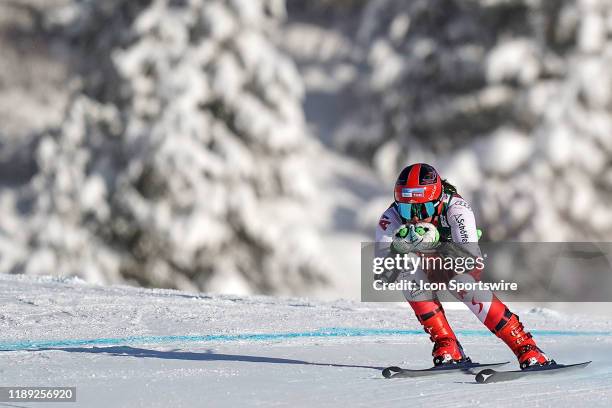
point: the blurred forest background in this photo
(249, 146)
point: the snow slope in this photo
(130, 347)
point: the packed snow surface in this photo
(129, 347)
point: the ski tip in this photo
(489, 375)
(483, 376)
(389, 371)
(555, 366)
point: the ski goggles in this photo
(420, 210)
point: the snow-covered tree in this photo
(512, 99)
(183, 158)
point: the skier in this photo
(422, 196)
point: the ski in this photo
(488, 376)
(468, 366)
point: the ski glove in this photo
(421, 237)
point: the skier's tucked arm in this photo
(388, 223)
(462, 221)
(386, 229)
(463, 228)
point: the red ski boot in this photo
(522, 344)
(447, 349)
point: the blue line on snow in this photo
(330, 332)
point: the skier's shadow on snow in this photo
(126, 351)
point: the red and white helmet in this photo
(417, 191)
